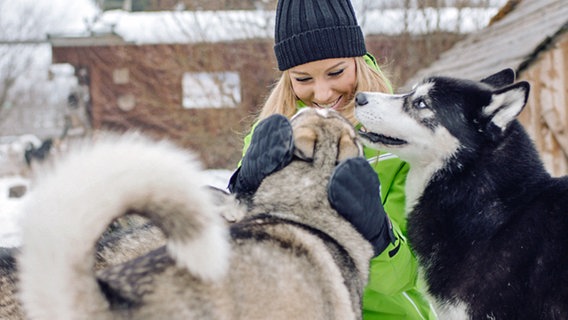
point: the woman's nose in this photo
(323, 93)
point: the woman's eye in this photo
(303, 79)
(336, 73)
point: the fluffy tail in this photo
(72, 204)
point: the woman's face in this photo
(326, 84)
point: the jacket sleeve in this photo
(246, 143)
(395, 270)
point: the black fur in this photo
(255, 228)
(491, 227)
(40, 153)
(7, 261)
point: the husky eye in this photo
(420, 104)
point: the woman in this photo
(321, 52)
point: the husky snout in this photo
(361, 99)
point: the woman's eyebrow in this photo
(336, 65)
(327, 70)
(299, 73)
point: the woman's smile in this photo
(333, 105)
(325, 84)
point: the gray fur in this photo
(292, 256)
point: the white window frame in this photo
(211, 90)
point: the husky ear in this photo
(500, 79)
(506, 104)
(304, 143)
(349, 147)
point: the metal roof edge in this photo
(86, 40)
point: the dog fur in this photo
(125, 239)
(291, 257)
(487, 222)
(116, 246)
(9, 307)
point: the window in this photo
(211, 90)
(120, 76)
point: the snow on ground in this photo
(10, 212)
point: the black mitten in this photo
(271, 149)
(354, 191)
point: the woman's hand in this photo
(271, 149)
(354, 191)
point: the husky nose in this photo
(361, 99)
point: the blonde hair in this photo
(282, 99)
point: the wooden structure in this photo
(532, 38)
(140, 87)
(134, 65)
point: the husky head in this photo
(441, 117)
(312, 125)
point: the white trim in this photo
(413, 304)
(382, 157)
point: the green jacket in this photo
(394, 290)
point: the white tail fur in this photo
(72, 204)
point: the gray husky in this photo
(125, 239)
(118, 245)
(487, 222)
(291, 257)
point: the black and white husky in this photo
(487, 222)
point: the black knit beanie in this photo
(309, 30)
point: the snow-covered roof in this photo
(222, 26)
(422, 21)
(179, 26)
(512, 42)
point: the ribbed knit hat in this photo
(309, 30)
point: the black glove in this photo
(354, 191)
(271, 149)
